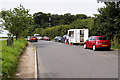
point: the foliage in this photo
(61, 30)
(115, 45)
(45, 20)
(17, 20)
(55, 31)
(10, 57)
(108, 21)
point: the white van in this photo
(77, 35)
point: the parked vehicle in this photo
(63, 40)
(58, 39)
(33, 39)
(28, 38)
(77, 35)
(95, 42)
(38, 36)
(46, 38)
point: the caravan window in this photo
(71, 33)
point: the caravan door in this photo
(85, 34)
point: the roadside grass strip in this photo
(11, 56)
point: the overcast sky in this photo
(88, 7)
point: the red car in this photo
(46, 38)
(95, 42)
(33, 39)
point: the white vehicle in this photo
(38, 36)
(77, 35)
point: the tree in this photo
(108, 21)
(41, 19)
(17, 20)
(81, 16)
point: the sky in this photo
(88, 7)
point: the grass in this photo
(10, 57)
(115, 45)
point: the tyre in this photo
(94, 48)
(85, 46)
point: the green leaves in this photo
(107, 21)
(11, 57)
(17, 20)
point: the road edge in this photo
(35, 74)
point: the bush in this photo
(115, 45)
(10, 57)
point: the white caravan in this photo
(77, 35)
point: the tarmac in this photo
(27, 65)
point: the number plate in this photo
(104, 45)
(34, 38)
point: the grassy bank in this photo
(115, 45)
(10, 57)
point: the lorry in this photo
(77, 35)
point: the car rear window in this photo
(33, 37)
(38, 36)
(102, 38)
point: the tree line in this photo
(20, 23)
(45, 20)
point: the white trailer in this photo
(77, 35)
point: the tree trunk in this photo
(16, 36)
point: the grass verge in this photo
(10, 57)
(115, 45)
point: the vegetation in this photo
(44, 20)
(21, 24)
(106, 23)
(16, 21)
(10, 57)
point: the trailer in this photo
(77, 35)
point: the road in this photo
(58, 60)
(2, 39)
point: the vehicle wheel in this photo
(85, 46)
(94, 48)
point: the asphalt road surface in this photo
(58, 60)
